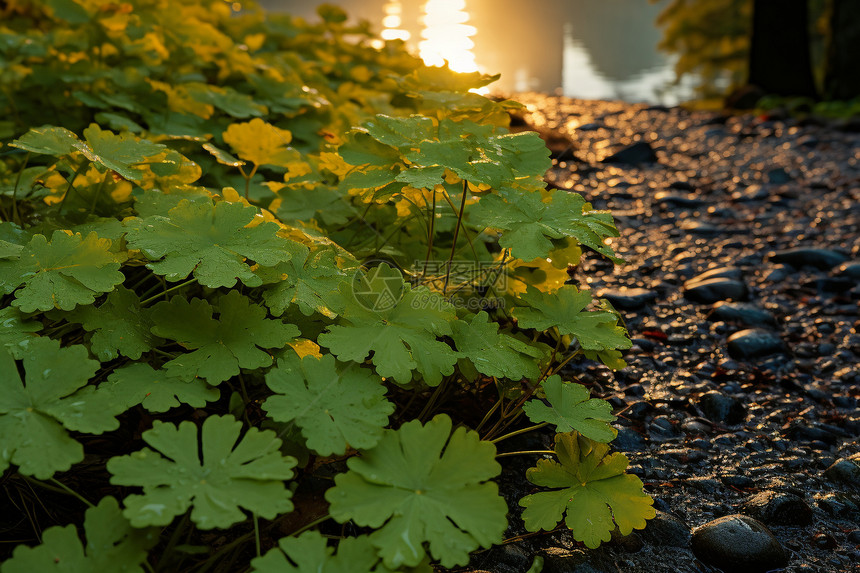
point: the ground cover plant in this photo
(275, 297)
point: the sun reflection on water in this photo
(447, 37)
(392, 22)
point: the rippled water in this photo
(595, 49)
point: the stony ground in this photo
(742, 236)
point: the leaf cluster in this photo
(245, 255)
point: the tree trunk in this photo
(842, 66)
(780, 62)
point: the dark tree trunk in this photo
(780, 62)
(842, 65)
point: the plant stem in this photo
(525, 452)
(97, 194)
(257, 535)
(456, 233)
(71, 185)
(432, 401)
(15, 190)
(518, 432)
(72, 492)
(430, 233)
(171, 289)
(489, 413)
(171, 544)
(313, 523)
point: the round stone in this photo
(776, 508)
(754, 343)
(738, 543)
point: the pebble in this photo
(739, 544)
(846, 470)
(776, 508)
(629, 299)
(714, 290)
(824, 259)
(639, 152)
(848, 270)
(667, 530)
(754, 343)
(628, 440)
(742, 312)
(718, 407)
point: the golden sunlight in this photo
(392, 22)
(446, 36)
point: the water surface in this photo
(596, 49)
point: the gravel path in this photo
(742, 237)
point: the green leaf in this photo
(249, 474)
(34, 416)
(119, 326)
(308, 280)
(51, 140)
(529, 223)
(213, 242)
(63, 273)
(595, 492)
(220, 347)
(16, 332)
(310, 553)
(492, 353)
(395, 322)
(120, 153)
(111, 545)
(222, 156)
(571, 409)
(412, 492)
(565, 310)
(334, 406)
(155, 390)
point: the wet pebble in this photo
(846, 470)
(739, 544)
(754, 343)
(718, 407)
(824, 259)
(639, 152)
(629, 299)
(741, 312)
(777, 508)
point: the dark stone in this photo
(628, 440)
(754, 343)
(590, 127)
(714, 290)
(702, 229)
(846, 470)
(778, 176)
(630, 299)
(824, 259)
(718, 407)
(667, 530)
(673, 200)
(742, 312)
(775, 508)
(719, 273)
(739, 544)
(639, 152)
(737, 481)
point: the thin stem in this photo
(70, 186)
(518, 432)
(432, 401)
(456, 233)
(15, 190)
(257, 535)
(489, 413)
(525, 452)
(97, 194)
(564, 362)
(430, 233)
(171, 289)
(313, 523)
(72, 492)
(248, 180)
(171, 544)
